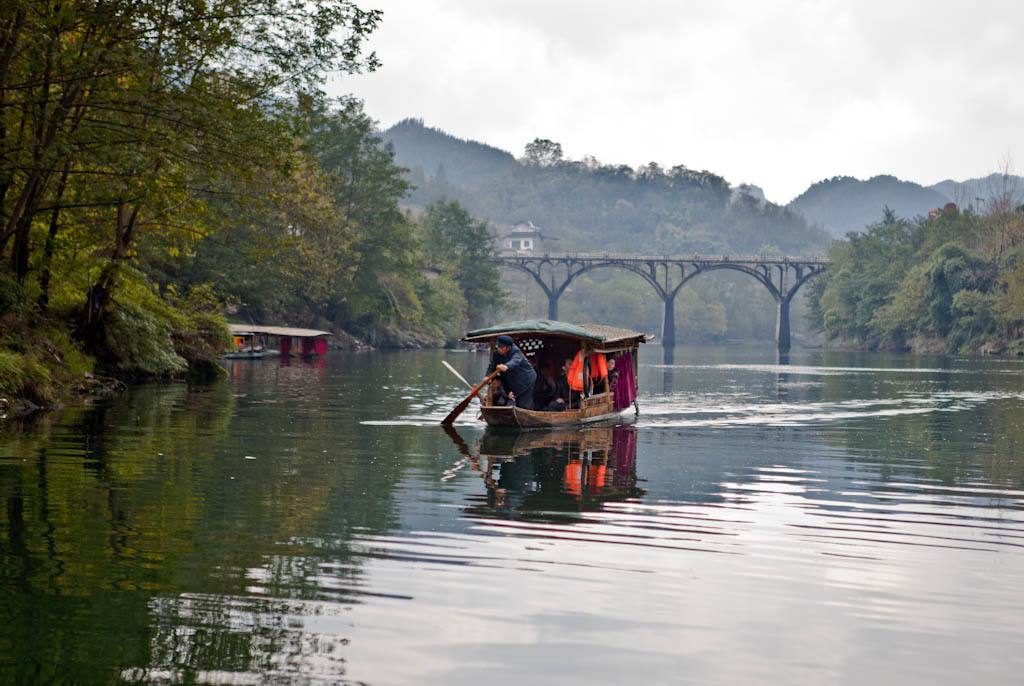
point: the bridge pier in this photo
(782, 336)
(553, 306)
(668, 322)
(782, 276)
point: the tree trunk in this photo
(22, 235)
(97, 300)
(51, 239)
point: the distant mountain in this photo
(844, 203)
(588, 205)
(980, 192)
(430, 153)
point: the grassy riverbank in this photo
(44, 364)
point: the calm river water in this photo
(840, 519)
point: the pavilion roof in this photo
(287, 331)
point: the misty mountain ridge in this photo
(982, 191)
(588, 205)
(845, 203)
(436, 153)
(594, 206)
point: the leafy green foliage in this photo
(149, 335)
(140, 341)
(937, 282)
(129, 132)
(161, 161)
(459, 245)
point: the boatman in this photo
(517, 374)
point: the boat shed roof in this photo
(287, 331)
(598, 333)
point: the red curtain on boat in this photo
(623, 453)
(321, 346)
(625, 387)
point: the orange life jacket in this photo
(575, 375)
(574, 477)
(596, 477)
(598, 370)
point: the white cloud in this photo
(779, 93)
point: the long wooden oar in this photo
(461, 378)
(458, 376)
(454, 414)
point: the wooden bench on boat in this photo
(556, 341)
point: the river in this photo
(843, 518)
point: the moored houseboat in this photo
(255, 341)
(604, 364)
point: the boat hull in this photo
(250, 354)
(518, 418)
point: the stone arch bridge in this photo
(782, 276)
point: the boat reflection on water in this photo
(554, 471)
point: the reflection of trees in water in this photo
(977, 438)
(537, 473)
(114, 511)
(215, 638)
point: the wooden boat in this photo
(550, 342)
(253, 341)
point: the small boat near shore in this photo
(603, 396)
(253, 341)
(254, 354)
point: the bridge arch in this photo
(782, 277)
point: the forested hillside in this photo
(590, 205)
(952, 283)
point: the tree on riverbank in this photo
(160, 158)
(458, 245)
(953, 281)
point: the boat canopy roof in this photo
(250, 329)
(596, 333)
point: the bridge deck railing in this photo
(633, 257)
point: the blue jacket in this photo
(520, 375)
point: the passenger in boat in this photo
(563, 394)
(544, 389)
(517, 376)
(613, 374)
(498, 396)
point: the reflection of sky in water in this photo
(867, 526)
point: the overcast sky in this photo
(777, 93)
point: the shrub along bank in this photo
(43, 364)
